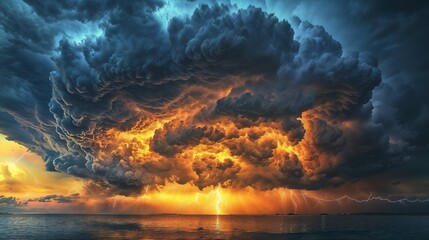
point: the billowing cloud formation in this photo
(105, 91)
(8, 182)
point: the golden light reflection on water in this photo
(218, 225)
(212, 227)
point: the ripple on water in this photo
(212, 227)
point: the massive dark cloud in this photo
(107, 91)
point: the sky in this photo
(214, 107)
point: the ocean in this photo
(44, 226)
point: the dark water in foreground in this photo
(212, 227)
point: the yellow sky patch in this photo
(23, 175)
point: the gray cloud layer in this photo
(10, 203)
(57, 198)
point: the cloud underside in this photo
(222, 97)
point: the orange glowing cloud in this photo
(221, 112)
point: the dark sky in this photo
(313, 95)
(396, 33)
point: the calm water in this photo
(212, 227)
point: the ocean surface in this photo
(213, 227)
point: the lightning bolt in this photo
(218, 201)
(74, 188)
(283, 196)
(197, 197)
(20, 157)
(313, 201)
(114, 202)
(295, 205)
(371, 197)
(36, 181)
(379, 198)
(145, 194)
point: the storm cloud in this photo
(110, 92)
